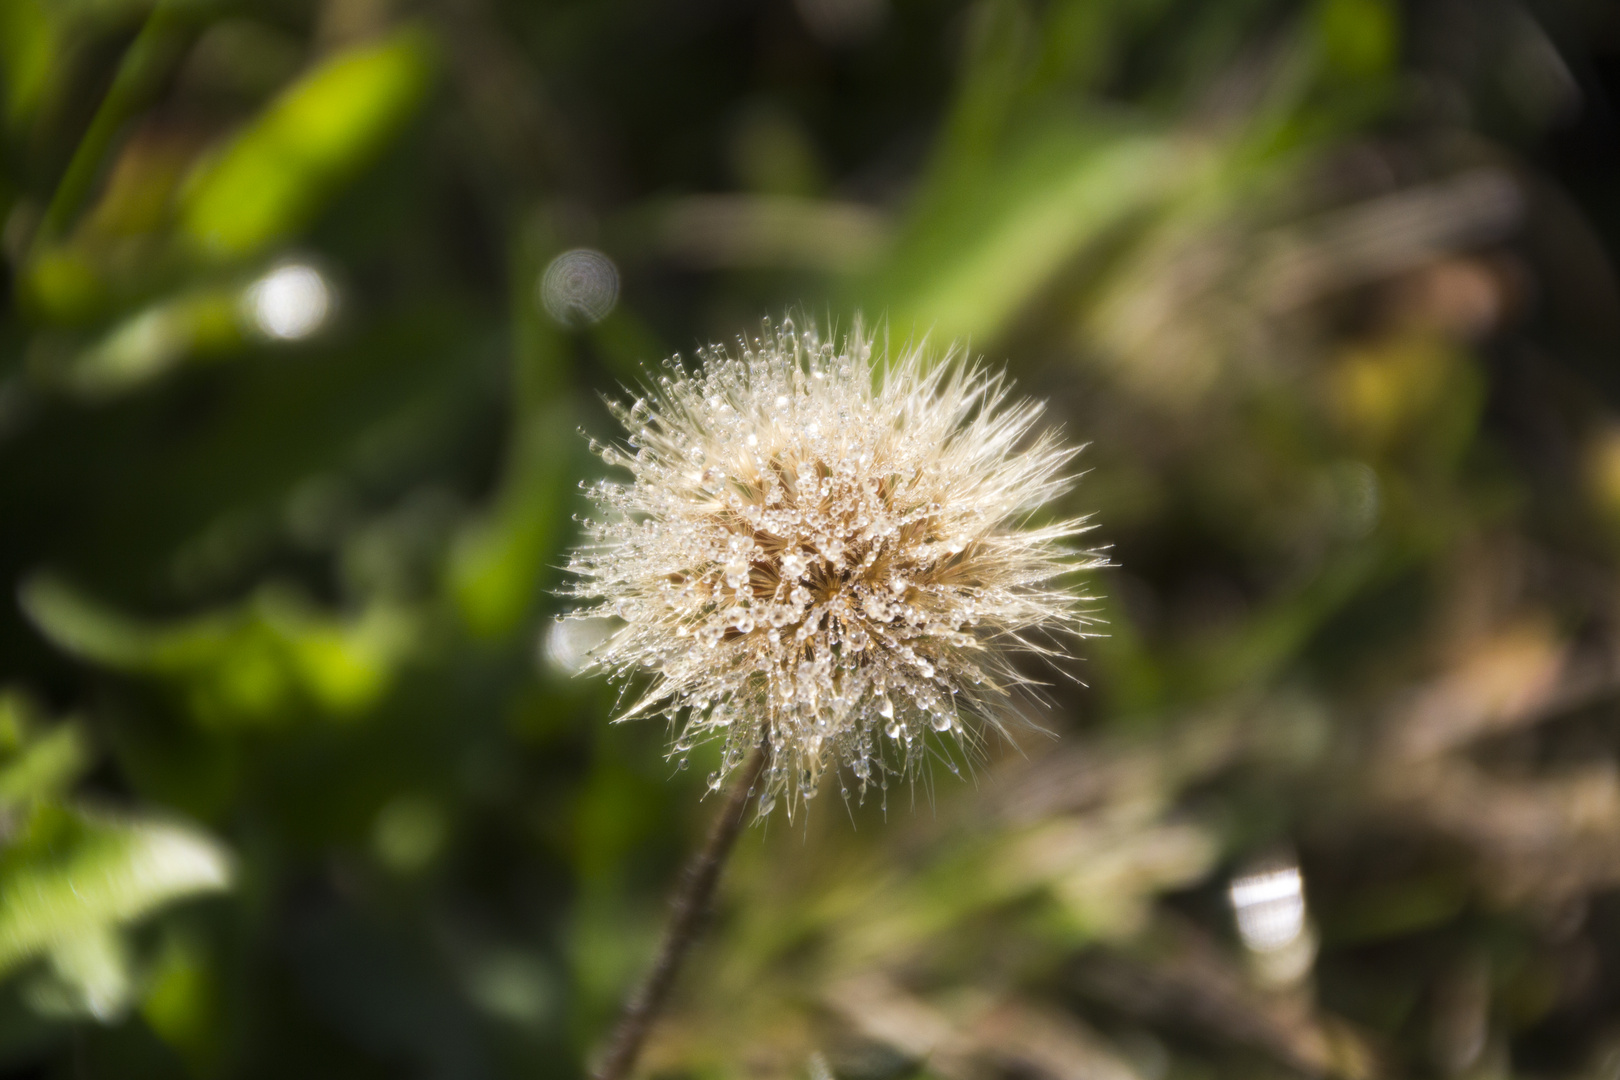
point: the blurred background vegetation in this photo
(306, 299)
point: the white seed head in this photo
(834, 560)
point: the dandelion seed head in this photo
(829, 557)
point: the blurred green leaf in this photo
(182, 1003)
(28, 47)
(499, 562)
(71, 879)
(65, 284)
(272, 177)
(153, 341)
(261, 662)
(39, 762)
(72, 875)
(1360, 37)
(45, 768)
(87, 975)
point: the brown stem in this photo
(691, 903)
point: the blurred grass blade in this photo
(150, 57)
(970, 272)
(999, 46)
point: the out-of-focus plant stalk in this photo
(690, 905)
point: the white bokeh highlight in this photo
(567, 643)
(290, 303)
(1270, 908)
(1272, 920)
(580, 287)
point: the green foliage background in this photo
(290, 784)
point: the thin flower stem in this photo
(690, 905)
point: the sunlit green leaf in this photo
(45, 768)
(155, 340)
(73, 873)
(271, 657)
(87, 976)
(269, 181)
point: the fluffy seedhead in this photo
(833, 560)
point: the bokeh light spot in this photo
(567, 644)
(580, 287)
(1270, 908)
(291, 302)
